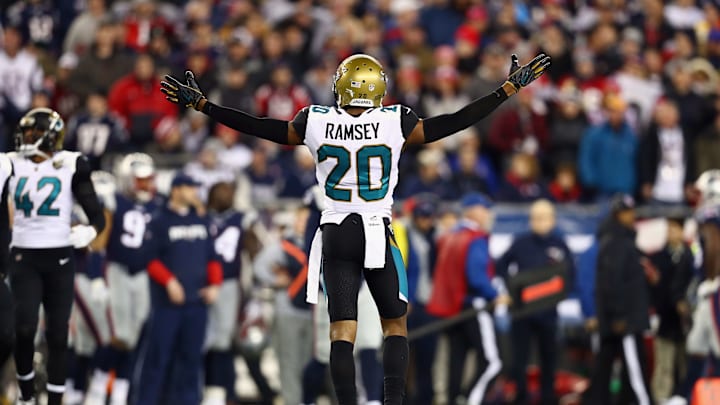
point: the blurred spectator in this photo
(428, 178)
(234, 90)
(319, 82)
(137, 99)
(232, 154)
(102, 65)
(712, 49)
(80, 36)
(441, 20)
(471, 173)
(521, 128)
(672, 269)
(168, 141)
(568, 124)
(637, 90)
(194, 130)
(622, 304)
(300, 174)
(446, 99)
(683, 14)
(607, 152)
(265, 178)
(602, 42)
(409, 89)
(39, 21)
(490, 74)
(665, 168)
(538, 249)
(556, 44)
(462, 281)
(95, 131)
(140, 22)
(199, 62)
(421, 234)
(522, 181)
(653, 23)
(565, 188)
(414, 51)
(161, 49)
(237, 52)
(705, 78)
(64, 98)
(206, 170)
(474, 27)
(707, 149)
(281, 99)
(20, 75)
(695, 110)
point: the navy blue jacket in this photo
(529, 252)
(181, 247)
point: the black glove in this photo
(188, 95)
(521, 76)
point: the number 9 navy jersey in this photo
(127, 237)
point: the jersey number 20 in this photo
(363, 156)
(23, 202)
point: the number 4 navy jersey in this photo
(126, 245)
(227, 230)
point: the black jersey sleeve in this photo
(300, 122)
(266, 128)
(408, 120)
(84, 192)
(444, 125)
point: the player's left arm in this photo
(188, 94)
(441, 126)
(84, 192)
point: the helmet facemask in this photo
(39, 133)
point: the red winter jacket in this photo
(450, 284)
(141, 105)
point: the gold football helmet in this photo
(40, 131)
(360, 81)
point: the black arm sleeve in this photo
(84, 193)
(4, 228)
(408, 120)
(265, 128)
(441, 126)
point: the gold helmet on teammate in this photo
(360, 81)
(39, 132)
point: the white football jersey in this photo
(357, 158)
(43, 200)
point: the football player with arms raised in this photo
(45, 180)
(357, 146)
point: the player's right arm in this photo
(441, 126)
(189, 95)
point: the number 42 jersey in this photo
(357, 156)
(43, 197)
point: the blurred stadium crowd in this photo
(629, 106)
